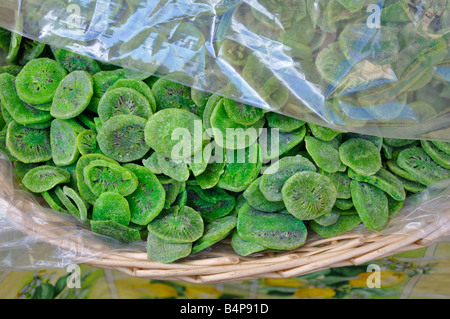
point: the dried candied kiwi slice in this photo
(38, 80)
(75, 62)
(28, 145)
(113, 229)
(344, 224)
(279, 172)
(211, 203)
(421, 166)
(241, 113)
(138, 85)
(230, 134)
(272, 230)
(148, 200)
(384, 180)
(169, 94)
(21, 112)
(177, 225)
(360, 155)
(104, 176)
(63, 141)
(123, 100)
(122, 138)
(87, 142)
(112, 206)
(440, 157)
(324, 154)
(308, 195)
(72, 95)
(163, 124)
(162, 251)
(215, 232)
(257, 200)
(371, 203)
(82, 187)
(44, 177)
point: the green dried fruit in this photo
(112, 206)
(271, 230)
(38, 80)
(371, 203)
(104, 176)
(177, 225)
(122, 138)
(72, 95)
(44, 177)
(308, 195)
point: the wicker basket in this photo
(221, 264)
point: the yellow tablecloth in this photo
(424, 273)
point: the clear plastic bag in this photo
(391, 80)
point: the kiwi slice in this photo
(282, 122)
(44, 177)
(169, 94)
(113, 229)
(215, 232)
(104, 79)
(384, 180)
(308, 195)
(360, 155)
(230, 134)
(257, 200)
(421, 166)
(38, 80)
(75, 62)
(17, 110)
(329, 218)
(177, 170)
(104, 176)
(123, 100)
(82, 187)
(343, 224)
(177, 225)
(324, 154)
(148, 200)
(81, 205)
(63, 141)
(371, 203)
(342, 183)
(241, 113)
(112, 206)
(211, 203)
(87, 142)
(440, 157)
(271, 230)
(139, 86)
(279, 172)
(241, 168)
(122, 138)
(162, 251)
(244, 247)
(28, 145)
(161, 127)
(72, 95)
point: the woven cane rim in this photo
(222, 265)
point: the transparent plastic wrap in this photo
(389, 79)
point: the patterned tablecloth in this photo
(424, 273)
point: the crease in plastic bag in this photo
(372, 67)
(34, 237)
